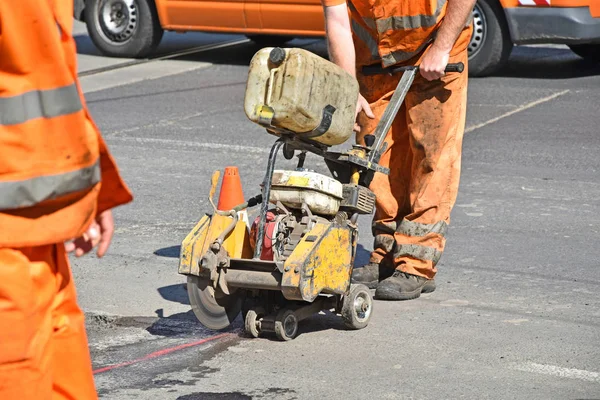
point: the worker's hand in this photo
(434, 63)
(98, 234)
(362, 105)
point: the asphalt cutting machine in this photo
(297, 257)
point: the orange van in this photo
(133, 28)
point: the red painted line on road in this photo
(160, 353)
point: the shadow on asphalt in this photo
(175, 293)
(547, 63)
(85, 46)
(243, 53)
(171, 251)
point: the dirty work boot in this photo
(371, 274)
(403, 286)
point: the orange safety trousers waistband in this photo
(424, 156)
(43, 345)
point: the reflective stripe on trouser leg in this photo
(383, 248)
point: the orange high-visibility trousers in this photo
(43, 345)
(424, 156)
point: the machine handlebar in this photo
(376, 69)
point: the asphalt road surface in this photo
(516, 314)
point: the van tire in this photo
(494, 42)
(590, 52)
(139, 39)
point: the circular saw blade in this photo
(214, 309)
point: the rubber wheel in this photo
(269, 40)
(357, 307)
(590, 52)
(250, 322)
(490, 45)
(123, 28)
(286, 325)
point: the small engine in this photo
(283, 231)
(274, 236)
(303, 197)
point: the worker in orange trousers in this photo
(425, 141)
(58, 184)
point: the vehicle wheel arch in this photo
(78, 8)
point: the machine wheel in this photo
(269, 40)
(357, 307)
(251, 323)
(589, 52)
(286, 325)
(123, 28)
(214, 309)
(490, 45)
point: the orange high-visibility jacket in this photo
(394, 31)
(56, 173)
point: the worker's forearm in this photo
(339, 38)
(456, 17)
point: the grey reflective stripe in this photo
(418, 252)
(370, 22)
(384, 227)
(401, 56)
(384, 242)
(410, 22)
(366, 37)
(26, 193)
(411, 228)
(39, 104)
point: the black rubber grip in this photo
(457, 67)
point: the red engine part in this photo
(270, 230)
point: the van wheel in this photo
(123, 28)
(490, 45)
(269, 40)
(590, 52)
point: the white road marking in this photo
(137, 73)
(561, 372)
(181, 143)
(517, 110)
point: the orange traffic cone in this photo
(231, 194)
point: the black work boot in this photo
(371, 274)
(403, 286)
